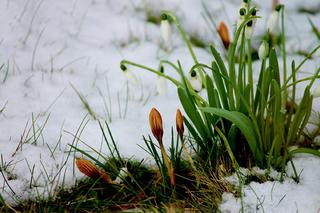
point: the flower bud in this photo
(165, 31)
(263, 51)
(224, 34)
(89, 169)
(179, 123)
(195, 81)
(155, 122)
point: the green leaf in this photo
(219, 81)
(305, 151)
(244, 124)
(192, 112)
(273, 63)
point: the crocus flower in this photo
(89, 169)
(155, 122)
(224, 34)
(165, 31)
(179, 123)
(195, 81)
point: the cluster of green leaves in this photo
(254, 123)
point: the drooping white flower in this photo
(273, 21)
(248, 30)
(195, 81)
(122, 174)
(263, 50)
(242, 13)
(316, 92)
(317, 53)
(131, 78)
(162, 86)
(165, 31)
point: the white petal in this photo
(263, 50)
(162, 86)
(196, 83)
(122, 174)
(317, 53)
(273, 23)
(166, 32)
(248, 32)
(131, 78)
(316, 92)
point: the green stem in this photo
(283, 39)
(186, 40)
(250, 75)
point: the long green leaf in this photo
(244, 124)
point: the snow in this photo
(50, 46)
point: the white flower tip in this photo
(316, 92)
(263, 50)
(122, 174)
(162, 86)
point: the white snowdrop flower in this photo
(249, 30)
(316, 92)
(263, 50)
(131, 78)
(273, 21)
(161, 84)
(165, 31)
(195, 81)
(317, 53)
(122, 175)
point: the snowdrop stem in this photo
(124, 62)
(250, 74)
(186, 40)
(283, 42)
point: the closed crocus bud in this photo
(165, 31)
(273, 21)
(131, 78)
(224, 34)
(89, 169)
(316, 92)
(249, 30)
(162, 84)
(195, 81)
(155, 122)
(179, 123)
(263, 50)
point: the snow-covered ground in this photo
(48, 48)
